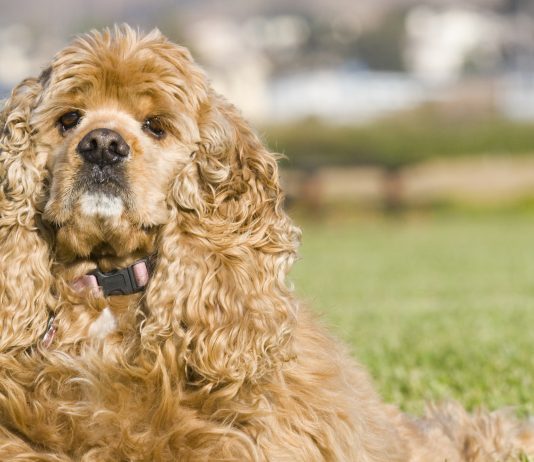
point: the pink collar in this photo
(125, 281)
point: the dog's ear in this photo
(25, 277)
(219, 290)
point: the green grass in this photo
(435, 308)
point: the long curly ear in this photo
(219, 291)
(25, 277)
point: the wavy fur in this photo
(217, 360)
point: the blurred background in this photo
(408, 131)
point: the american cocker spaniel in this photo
(144, 309)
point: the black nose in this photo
(103, 147)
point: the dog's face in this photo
(115, 122)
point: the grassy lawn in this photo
(436, 308)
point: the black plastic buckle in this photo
(117, 282)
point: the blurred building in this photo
(443, 43)
(342, 95)
(338, 61)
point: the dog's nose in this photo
(103, 146)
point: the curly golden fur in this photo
(216, 360)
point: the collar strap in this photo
(48, 337)
(125, 281)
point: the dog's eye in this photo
(69, 120)
(154, 126)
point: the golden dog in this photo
(143, 300)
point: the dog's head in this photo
(117, 120)
(121, 149)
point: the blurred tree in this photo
(381, 47)
(427, 132)
(516, 7)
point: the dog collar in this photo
(125, 281)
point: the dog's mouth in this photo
(102, 191)
(109, 180)
(102, 227)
